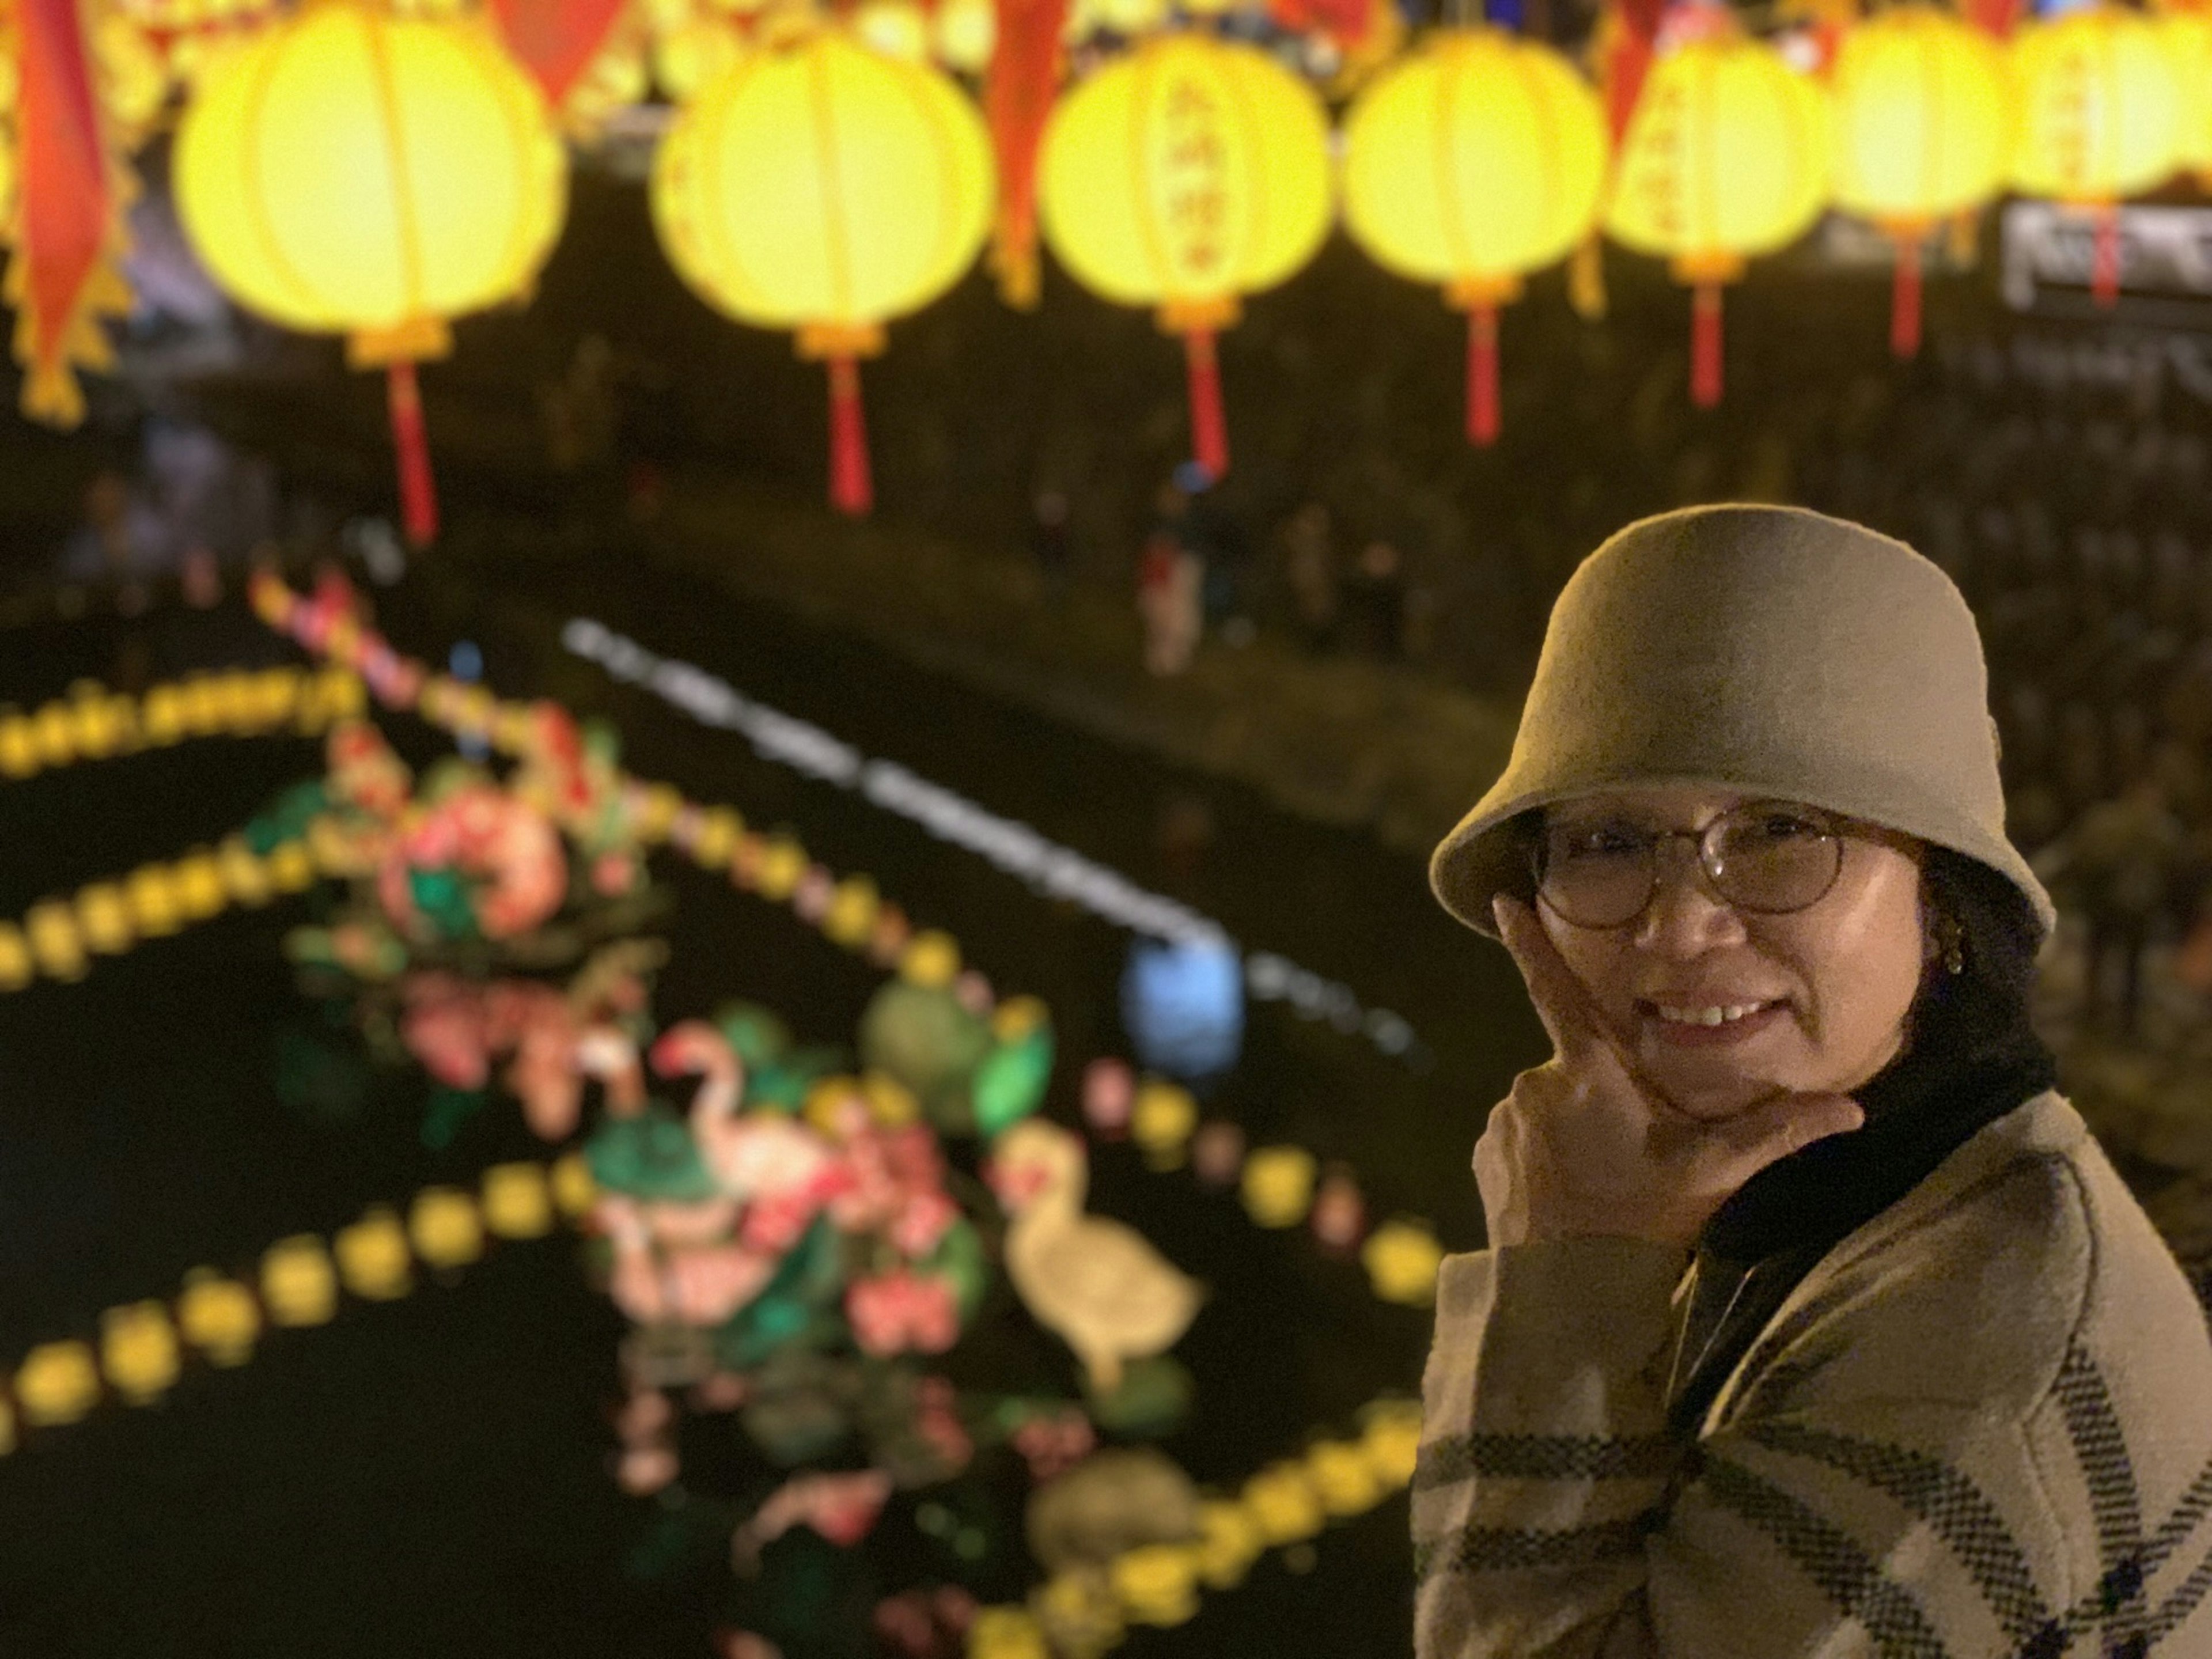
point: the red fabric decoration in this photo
(1018, 95)
(1905, 300)
(68, 231)
(2104, 276)
(556, 40)
(1629, 60)
(1705, 345)
(1482, 375)
(1209, 432)
(418, 490)
(850, 488)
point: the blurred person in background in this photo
(119, 537)
(1309, 573)
(1170, 578)
(2118, 865)
(1375, 601)
(1051, 546)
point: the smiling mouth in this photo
(1706, 1014)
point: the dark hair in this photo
(1997, 936)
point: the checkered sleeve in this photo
(1545, 1461)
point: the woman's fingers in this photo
(1772, 1130)
(1561, 1003)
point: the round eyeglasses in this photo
(1770, 857)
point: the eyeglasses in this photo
(1770, 857)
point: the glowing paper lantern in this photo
(2101, 118)
(1922, 133)
(2186, 34)
(353, 173)
(1181, 176)
(825, 188)
(1725, 158)
(1472, 163)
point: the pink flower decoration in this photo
(774, 1224)
(902, 1312)
(1053, 1442)
(842, 1508)
(444, 1029)
(939, 1424)
(1109, 1096)
(918, 1227)
(706, 1286)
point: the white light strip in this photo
(1013, 847)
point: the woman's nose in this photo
(1684, 909)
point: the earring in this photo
(1950, 943)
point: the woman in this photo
(1813, 1320)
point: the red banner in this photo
(1018, 95)
(1997, 16)
(68, 228)
(1343, 21)
(1629, 60)
(556, 40)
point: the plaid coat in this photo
(1980, 1428)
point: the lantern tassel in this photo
(1209, 432)
(418, 489)
(850, 488)
(2104, 278)
(1706, 340)
(1586, 280)
(1905, 300)
(1482, 376)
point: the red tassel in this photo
(1705, 345)
(1209, 432)
(418, 490)
(2104, 282)
(1482, 375)
(1905, 300)
(850, 490)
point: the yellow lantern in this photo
(825, 188)
(1725, 158)
(2101, 118)
(351, 172)
(1472, 163)
(2185, 31)
(1182, 176)
(1922, 113)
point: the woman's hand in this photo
(1584, 1147)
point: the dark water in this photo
(429, 1477)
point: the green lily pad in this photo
(930, 1043)
(1011, 1082)
(649, 1156)
(1154, 1397)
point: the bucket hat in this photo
(1771, 651)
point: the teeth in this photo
(1711, 1016)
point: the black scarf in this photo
(1973, 1057)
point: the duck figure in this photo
(1097, 1284)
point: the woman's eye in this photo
(1600, 841)
(1787, 826)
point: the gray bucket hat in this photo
(1769, 650)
